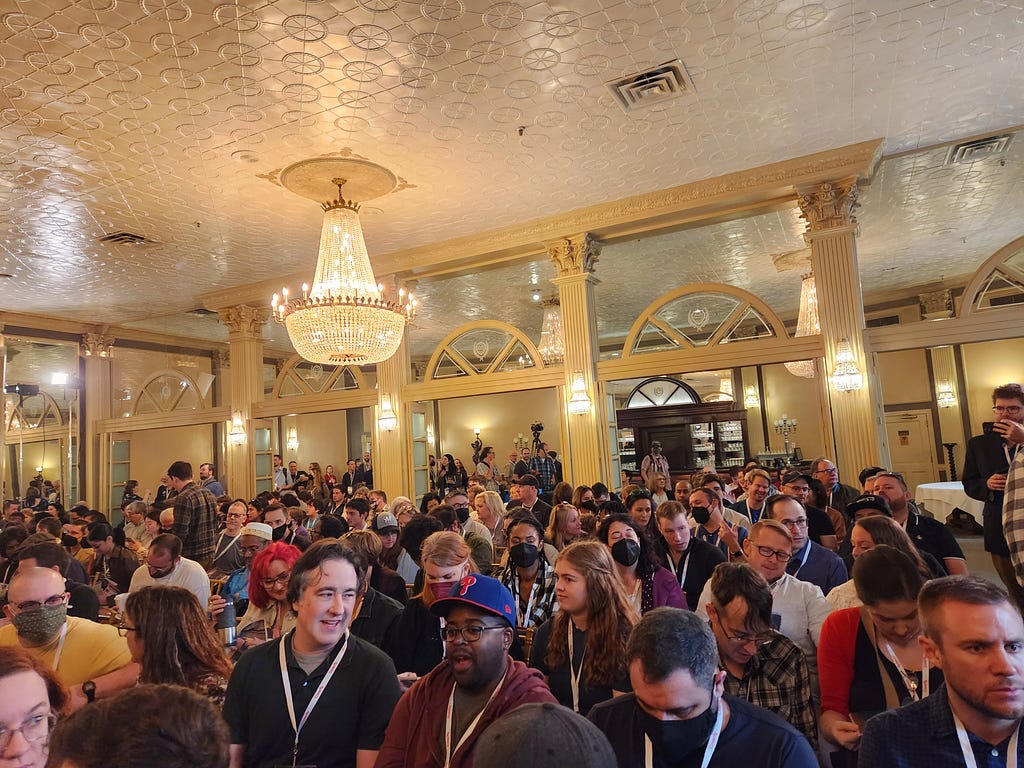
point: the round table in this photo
(942, 498)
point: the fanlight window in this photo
(301, 377)
(701, 319)
(482, 351)
(661, 391)
(166, 392)
(1004, 285)
(37, 412)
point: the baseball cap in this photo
(259, 530)
(479, 591)
(655, 443)
(868, 501)
(385, 520)
(793, 475)
(528, 480)
(543, 735)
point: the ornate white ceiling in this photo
(170, 118)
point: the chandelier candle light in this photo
(345, 318)
(846, 376)
(807, 324)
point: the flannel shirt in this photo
(545, 604)
(544, 469)
(777, 679)
(1013, 513)
(196, 523)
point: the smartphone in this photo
(986, 427)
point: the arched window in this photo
(167, 391)
(661, 390)
(481, 348)
(301, 377)
(36, 412)
(999, 282)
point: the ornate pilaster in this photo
(245, 356)
(96, 351)
(857, 418)
(392, 462)
(96, 345)
(7, 492)
(587, 457)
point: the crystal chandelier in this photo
(551, 347)
(806, 325)
(846, 376)
(345, 319)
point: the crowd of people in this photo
(772, 619)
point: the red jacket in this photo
(413, 739)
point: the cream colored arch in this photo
(299, 377)
(1001, 276)
(701, 315)
(480, 348)
(44, 416)
(169, 390)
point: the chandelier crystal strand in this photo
(551, 347)
(807, 324)
(345, 318)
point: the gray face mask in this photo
(41, 625)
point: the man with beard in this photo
(678, 713)
(975, 635)
(438, 722)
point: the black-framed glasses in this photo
(280, 580)
(1006, 409)
(34, 729)
(31, 605)
(470, 633)
(123, 629)
(800, 522)
(255, 549)
(768, 553)
(743, 638)
(827, 471)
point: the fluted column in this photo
(94, 407)
(857, 418)
(392, 462)
(5, 490)
(587, 457)
(245, 340)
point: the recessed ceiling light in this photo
(536, 295)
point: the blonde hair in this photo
(446, 549)
(556, 528)
(493, 502)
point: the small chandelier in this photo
(551, 347)
(946, 398)
(846, 376)
(579, 401)
(806, 325)
(345, 319)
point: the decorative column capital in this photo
(828, 205)
(96, 345)
(574, 255)
(244, 321)
(223, 358)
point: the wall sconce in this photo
(579, 401)
(293, 440)
(430, 435)
(387, 421)
(237, 434)
(846, 376)
(751, 399)
(945, 397)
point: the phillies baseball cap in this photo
(482, 592)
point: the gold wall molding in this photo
(574, 255)
(244, 321)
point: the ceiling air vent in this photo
(126, 238)
(655, 86)
(979, 149)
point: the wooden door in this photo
(912, 446)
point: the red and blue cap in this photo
(483, 592)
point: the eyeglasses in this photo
(1006, 409)
(123, 629)
(768, 553)
(745, 637)
(800, 522)
(157, 572)
(461, 506)
(250, 550)
(237, 515)
(35, 729)
(280, 580)
(801, 488)
(31, 605)
(470, 633)
(827, 471)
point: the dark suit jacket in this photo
(986, 457)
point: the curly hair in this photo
(647, 564)
(610, 616)
(179, 645)
(277, 550)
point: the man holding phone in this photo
(985, 466)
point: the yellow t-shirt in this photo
(91, 650)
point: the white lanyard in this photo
(909, 681)
(803, 560)
(218, 552)
(709, 750)
(574, 676)
(686, 564)
(448, 751)
(316, 696)
(523, 615)
(965, 745)
(60, 646)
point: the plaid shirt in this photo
(195, 523)
(1013, 513)
(544, 469)
(777, 680)
(545, 604)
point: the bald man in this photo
(91, 659)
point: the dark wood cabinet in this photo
(691, 436)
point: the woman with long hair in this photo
(418, 648)
(490, 512)
(580, 494)
(867, 533)
(582, 649)
(561, 494)
(659, 488)
(131, 493)
(32, 697)
(269, 614)
(647, 584)
(564, 527)
(318, 485)
(448, 475)
(171, 640)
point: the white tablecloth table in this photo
(942, 498)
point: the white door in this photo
(912, 446)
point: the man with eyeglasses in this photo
(762, 666)
(839, 495)
(476, 684)
(227, 557)
(821, 527)
(165, 567)
(252, 539)
(811, 562)
(90, 659)
(986, 464)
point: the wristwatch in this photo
(89, 689)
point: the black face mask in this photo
(69, 541)
(523, 555)
(676, 739)
(463, 514)
(280, 532)
(700, 514)
(625, 552)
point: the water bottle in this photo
(226, 623)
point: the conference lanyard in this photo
(709, 750)
(60, 646)
(316, 696)
(803, 560)
(686, 564)
(220, 551)
(965, 745)
(523, 614)
(908, 680)
(448, 751)
(574, 676)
